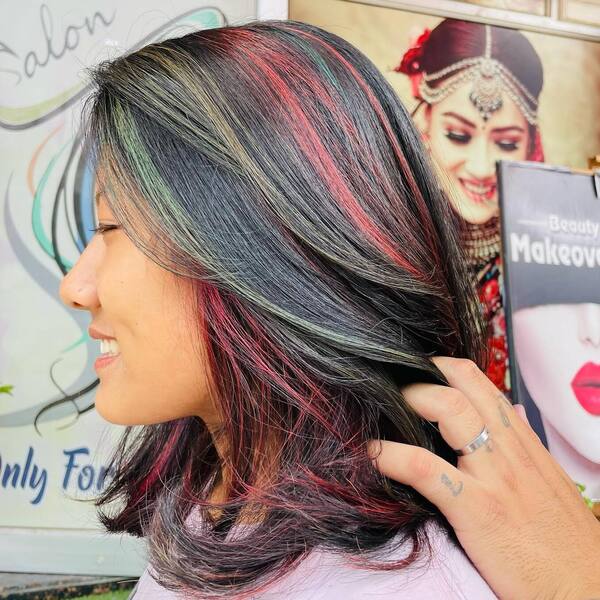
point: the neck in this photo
(481, 242)
(252, 512)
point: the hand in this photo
(518, 515)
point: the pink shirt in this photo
(324, 576)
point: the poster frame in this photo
(548, 24)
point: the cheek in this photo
(448, 154)
(160, 375)
(154, 383)
(546, 348)
(520, 153)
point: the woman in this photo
(558, 350)
(477, 88)
(258, 316)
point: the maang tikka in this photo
(490, 79)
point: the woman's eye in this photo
(458, 138)
(103, 228)
(507, 145)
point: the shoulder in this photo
(447, 574)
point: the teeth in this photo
(109, 347)
(478, 189)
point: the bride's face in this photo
(156, 374)
(558, 350)
(467, 147)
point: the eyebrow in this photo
(470, 124)
(459, 118)
(509, 128)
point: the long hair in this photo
(274, 170)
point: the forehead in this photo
(508, 115)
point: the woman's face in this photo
(558, 349)
(156, 375)
(467, 148)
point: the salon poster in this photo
(551, 248)
(478, 93)
(54, 447)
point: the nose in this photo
(589, 323)
(78, 286)
(480, 163)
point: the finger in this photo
(460, 423)
(454, 492)
(496, 411)
(521, 412)
(568, 480)
(521, 446)
(458, 420)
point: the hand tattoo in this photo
(456, 490)
(501, 410)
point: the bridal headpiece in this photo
(489, 76)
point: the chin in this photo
(472, 211)
(107, 411)
(476, 214)
(588, 448)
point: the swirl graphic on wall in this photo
(62, 216)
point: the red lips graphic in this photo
(586, 387)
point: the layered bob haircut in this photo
(274, 170)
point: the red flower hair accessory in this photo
(411, 61)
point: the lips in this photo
(478, 191)
(586, 387)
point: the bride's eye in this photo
(507, 145)
(458, 137)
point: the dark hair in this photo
(272, 166)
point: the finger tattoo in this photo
(455, 489)
(503, 416)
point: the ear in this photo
(422, 120)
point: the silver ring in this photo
(480, 440)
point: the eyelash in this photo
(103, 228)
(508, 146)
(460, 138)
(466, 138)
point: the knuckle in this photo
(456, 403)
(468, 369)
(422, 464)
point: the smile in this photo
(109, 347)
(478, 192)
(109, 353)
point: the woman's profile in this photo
(270, 269)
(477, 88)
